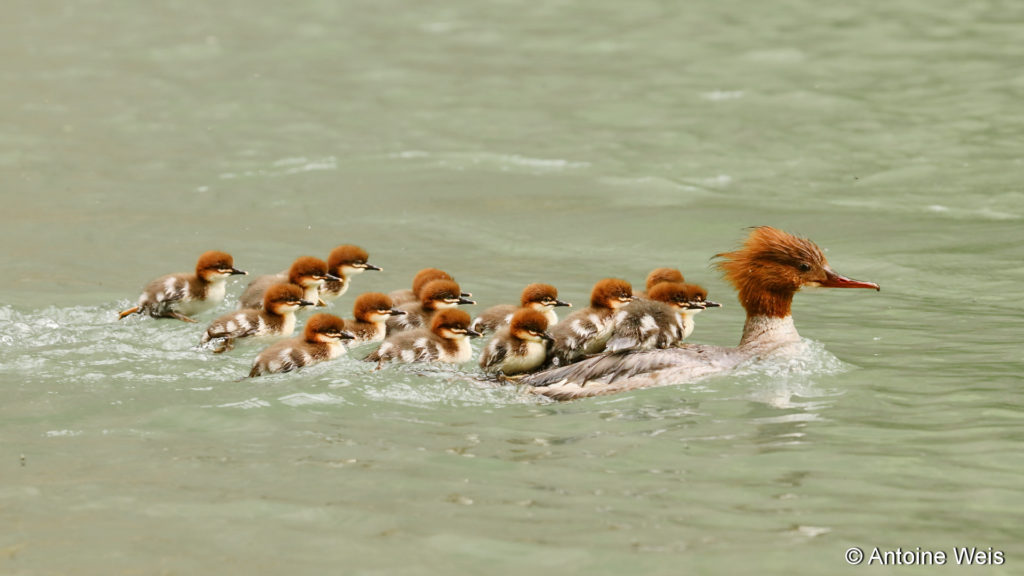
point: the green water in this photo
(508, 143)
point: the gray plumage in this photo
(644, 325)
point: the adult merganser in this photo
(662, 321)
(371, 312)
(657, 276)
(435, 296)
(344, 262)
(586, 331)
(422, 278)
(767, 271)
(447, 340)
(320, 341)
(540, 297)
(519, 347)
(307, 272)
(182, 295)
(277, 318)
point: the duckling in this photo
(422, 278)
(277, 318)
(519, 347)
(307, 272)
(447, 340)
(586, 331)
(183, 295)
(371, 311)
(657, 276)
(320, 341)
(540, 297)
(436, 295)
(344, 262)
(664, 320)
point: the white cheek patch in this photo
(408, 355)
(420, 343)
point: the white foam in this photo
(304, 399)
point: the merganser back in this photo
(540, 297)
(767, 271)
(182, 295)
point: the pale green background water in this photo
(510, 142)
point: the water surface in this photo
(508, 143)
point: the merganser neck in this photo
(758, 301)
(767, 331)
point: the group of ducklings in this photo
(422, 324)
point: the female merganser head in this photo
(772, 266)
(611, 293)
(767, 270)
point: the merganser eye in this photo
(805, 267)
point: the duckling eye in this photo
(805, 267)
